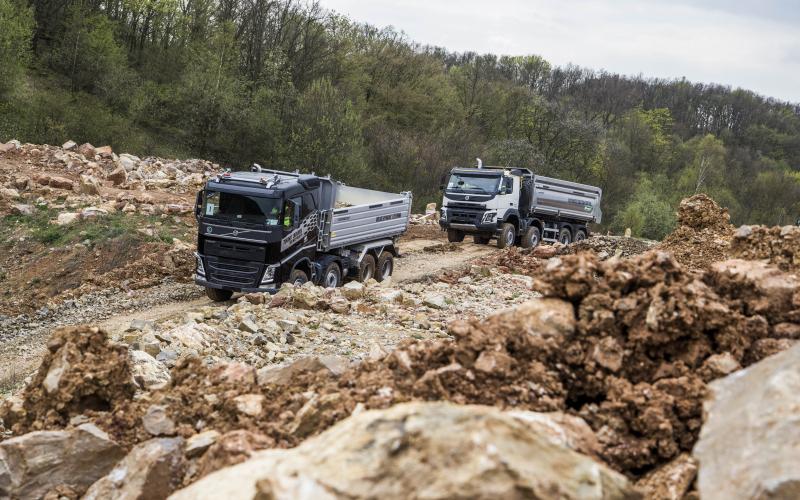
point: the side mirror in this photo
(443, 181)
(198, 203)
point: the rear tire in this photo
(332, 277)
(385, 266)
(453, 236)
(298, 277)
(507, 236)
(580, 235)
(218, 295)
(366, 269)
(481, 240)
(565, 236)
(531, 238)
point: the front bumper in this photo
(482, 227)
(203, 282)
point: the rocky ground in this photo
(612, 368)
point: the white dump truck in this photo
(516, 206)
(262, 228)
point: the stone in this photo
(9, 194)
(67, 218)
(419, 450)
(288, 325)
(89, 212)
(34, 463)
(353, 290)
(57, 182)
(764, 288)
(671, 481)
(192, 335)
(494, 362)
(234, 373)
(248, 324)
(9, 146)
(87, 150)
(143, 325)
(156, 421)
(199, 443)
(434, 300)
(118, 176)
(339, 305)
(128, 162)
(104, 151)
(719, 365)
(376, 352)
(147, 372)
(249, 404)
(748, 445)
(69, 145)
(22, 209)
(608, 354)
(89, 185)
(231, 448)
(283, 374)
(390, 296)
(152, 469)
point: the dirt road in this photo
(23, 346)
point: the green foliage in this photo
(647, 214)
(16, 29)
(289, 85)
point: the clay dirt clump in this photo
(703, 235)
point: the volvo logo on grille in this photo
(209, 229)
(466, 197)
(235, 232)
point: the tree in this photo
(648, 214)
(16, 30)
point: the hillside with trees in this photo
(290, 85)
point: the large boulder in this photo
(285, 374)
(430, 450)
(749, 444)
(152, 469)
(35, 463)
(147, 372)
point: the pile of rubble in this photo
(626, 345)
(777, 245)
(610, 246)
(703, 235)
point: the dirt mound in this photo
(82, 373)
(442, 248)
(516, 260)
(703, 235)
(609, 246)
(778, 245)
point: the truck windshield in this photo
(470, 182)
(242, 207)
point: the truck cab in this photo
(479, 201)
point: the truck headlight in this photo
(444, 214)
(269, 275)
(489, 216)
(201, 271)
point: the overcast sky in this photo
(750, 44)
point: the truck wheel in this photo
(531, 238)
(332, 277)
(386, 265)
(367, 268)
(218, 295)
(565, 236)
(481, 240)
(298, 277)
(453, 236)
(506, 236)
(580, 235)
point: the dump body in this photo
(565, 199)
(364, 215)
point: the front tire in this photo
(218, 295)
(481, 240)
(332, 277)
(565, 236)
(298, 277)
(506, 236)
(453, 236)
(385, 266)
(580, 235)
(531, 238)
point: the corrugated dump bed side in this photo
(566, 199)
(367, 215)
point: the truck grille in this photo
(464, 216)
(233, 272)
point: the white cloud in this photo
(728, 43)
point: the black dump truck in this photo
(263, 228)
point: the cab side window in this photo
(308, 205)
(508, 185)
(290, 208)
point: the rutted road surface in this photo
(23, 337)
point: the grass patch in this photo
(94, 230)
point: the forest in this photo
(288, 84)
